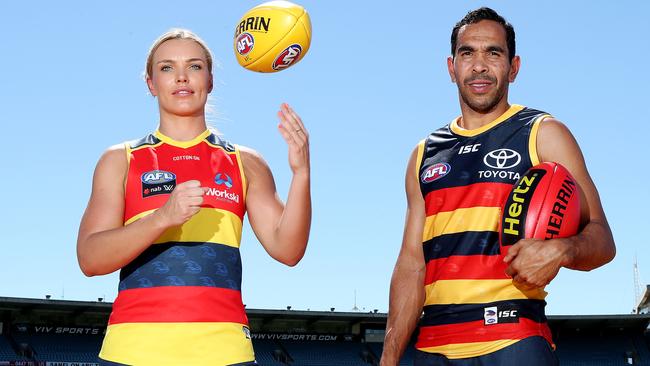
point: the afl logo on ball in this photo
(435, 172)
(287, 57)
(245, 43)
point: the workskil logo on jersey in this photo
(435, 172)
(157, 182)
(222, 192)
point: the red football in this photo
(543, 204)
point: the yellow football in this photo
(272, 36)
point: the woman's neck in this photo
(182, 128)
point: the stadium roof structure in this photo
(644, 304)
(95, 313)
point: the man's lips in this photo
(480, 86)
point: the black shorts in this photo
(532, 351)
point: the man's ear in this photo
(450, 68)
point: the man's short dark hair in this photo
(485, 13)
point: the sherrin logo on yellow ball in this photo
(272, 36)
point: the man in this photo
(451, 265)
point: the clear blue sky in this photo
(372, 85)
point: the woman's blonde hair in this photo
(175, 33)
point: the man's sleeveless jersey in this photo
(179, 302)
(472, 308)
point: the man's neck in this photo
(471, 119)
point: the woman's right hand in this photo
(183, 203)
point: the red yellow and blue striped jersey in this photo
(179, 302)
(472, 307)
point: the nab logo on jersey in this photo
(157, 182)
(245, 43)
(287, 57)
(435, 172)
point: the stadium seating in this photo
(264, 351)
(573, 349)
(70, 348)
(642, 348)
(600, 350)
(6, 351)
(305, 353)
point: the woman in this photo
(167, 211)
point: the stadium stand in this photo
(6, 350)
(57, 348)
(270, 353)
(36, 332)
(601, 341)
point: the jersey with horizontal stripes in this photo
(472, 307)
(179, 302)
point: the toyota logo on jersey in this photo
(287, 57)
(502, 159)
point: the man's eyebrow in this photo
(496, 48)
(465, 48)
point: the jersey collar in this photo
(182, 144)
(455, 128)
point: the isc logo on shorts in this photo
(492, 315)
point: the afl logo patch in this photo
(157, 176)
(245, 43)
(287, 57)
(157, 182)
(435, 172)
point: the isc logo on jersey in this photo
(435, 172)
(222, 179)
(287, 57)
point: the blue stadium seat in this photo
(305, 353)
(62, 348)
(264, 350)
